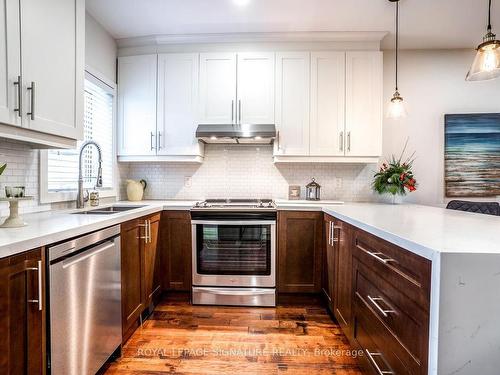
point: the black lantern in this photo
(313, 190)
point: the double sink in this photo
(110, 210)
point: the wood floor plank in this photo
(179, 338)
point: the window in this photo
(62, 165)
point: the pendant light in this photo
(486, 65)
(396, 107)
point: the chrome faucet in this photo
(81, 199)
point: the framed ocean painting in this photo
(472, 155)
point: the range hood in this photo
(236, 133)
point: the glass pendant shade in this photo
(486, 64)
(396, 108)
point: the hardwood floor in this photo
(289, 339)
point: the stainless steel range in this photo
(234, 252)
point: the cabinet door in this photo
(52, 50)
(327, 103)
(256, 88)
(342, 237)
(329, 262)
(292, 103)
(299, 251)
(133, 290)
(21, 314)
(152, 282)
(137, 105)
(217, 88)
(177, 104)
(176, 250)
(364, 72)
(10, 62)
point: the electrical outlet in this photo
(188, 181)
(338, 183)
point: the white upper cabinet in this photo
(237, 88)
(255, 88)
(51, 37)
(10, 63)
(364, 73)
(292, 103)
(42, 71)
(177, 104)
(327, 103)
(217, 88)
(137, 105)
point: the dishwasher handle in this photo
(87, 254)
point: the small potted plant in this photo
(395, 177)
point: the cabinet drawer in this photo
(382, 350)
(405, 320)
(409, 273)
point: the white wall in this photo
(432, 84)
(100, 49)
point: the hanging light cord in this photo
(397, 40)
(489, 16)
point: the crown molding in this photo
(273, 37)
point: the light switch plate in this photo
(188, 181)
(338, 183)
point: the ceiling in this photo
(424, 23)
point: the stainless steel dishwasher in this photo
(85, 302)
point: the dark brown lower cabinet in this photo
(22, 314)
(342, 238)
(391, 301)
(175, 248)
(329, 271)
(380, 295)
(152, 263)
(300, 241)
(140, 265)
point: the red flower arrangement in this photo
(396, 176)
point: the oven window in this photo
(233, 249)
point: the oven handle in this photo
(233, 222)
(250, 292)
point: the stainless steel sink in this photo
(110, 210)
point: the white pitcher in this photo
(135, 189)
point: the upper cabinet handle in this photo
(341, 142)
(32, 112)
(19, 108)
(232, 111)
(348, 141)
(239, 110)
(159, 141)
(151, 141)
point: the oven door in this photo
(234, 253)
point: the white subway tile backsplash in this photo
(22, 170)
(247, 171)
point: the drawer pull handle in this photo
(371, 356)
(374, 301)
(381, 257)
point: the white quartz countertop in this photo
(53, 226)
(424, 230)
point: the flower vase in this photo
(396, 199)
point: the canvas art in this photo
(472, 155)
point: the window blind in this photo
(98, 126)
